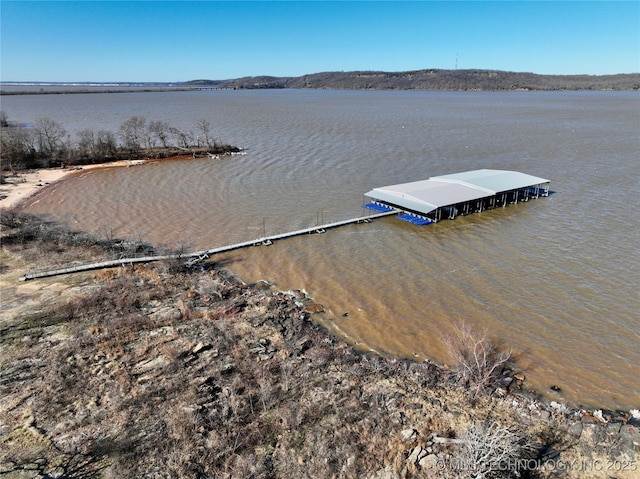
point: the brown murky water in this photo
(556, 279)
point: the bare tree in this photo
(134, 133)
(87, 142)
(160, 130)
(18, 147)
(478, 362)
(50, 135)
(204, 128)
(183, 138)
(106, 144)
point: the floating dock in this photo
(447, 196)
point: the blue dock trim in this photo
(414, 219)
(379, 207)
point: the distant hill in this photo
(439, 80)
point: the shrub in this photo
(494, 451)
(478, 362)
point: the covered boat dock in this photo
(419, 202)
(447, 196)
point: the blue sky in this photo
(185, 40)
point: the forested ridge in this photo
(428, 79)
(432, 79)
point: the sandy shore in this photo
(27, 183)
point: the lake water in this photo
(555, 279)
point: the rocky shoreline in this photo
(162, 371)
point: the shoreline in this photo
(424, 404)
(27, 183)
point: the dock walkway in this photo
(193, 258)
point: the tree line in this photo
(433, 80)
(46, 143)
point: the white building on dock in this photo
(448, 196)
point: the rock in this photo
(303, 344)
(166, 315)
(386, 473)
(613, 429)
(416, 455)
(430, 461)
(556, 389)
(408, 435)
(590, 433)
(150, 364)
(575, 430)
(591, 419)
(519, 377)
(263, 285)
(542, 415)
(200, 347)
(630, 435)
(505, 382)
(398, 417)
(298, 294)
(598, 415)
(313, 308)
(560, 408)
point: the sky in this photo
(170, 41)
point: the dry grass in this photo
(142, 373)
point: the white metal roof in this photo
(494, 180)
(426, 195)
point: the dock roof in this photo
(439, 191)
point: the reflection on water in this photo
(556, 278)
